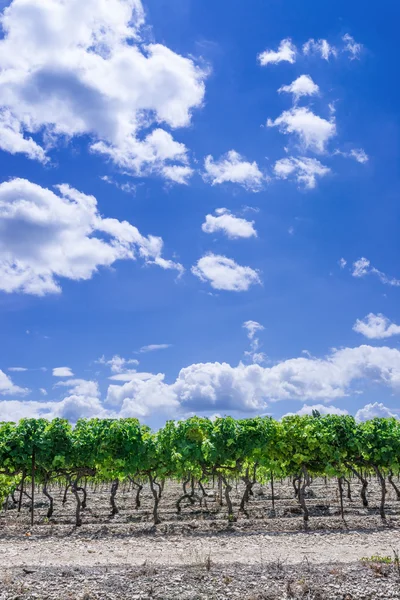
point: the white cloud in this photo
(302, 86)
(222, 387)
(252, 327)
(81, 387)
(231, 167)
(144, 398)
(17, 369)
(128, 188)
(219, 386)
(376, 327)
(130, 375)
(326, 50)
(258, 358)
(177, 173)
(62, 372)
(313, 131)
(71, 408)
(83, 401)
(226, 222)
(321, 408)
(351, 46)
(81, 69)
(150, 154)
(154, 347)
(342, 263)
(359, 155)
(321, 47)
(14, 410)
(12, 139)
(7, 387)
(75, 407)
(285, 53)
(304, 170)
(46, 236)
(253, 209)
(370, 411)
(117, 364)
(224, 273)
(43, 391)
(362, 267)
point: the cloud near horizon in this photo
(243, 389)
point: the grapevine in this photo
(196, 452)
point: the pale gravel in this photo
(196, 556)
(243, 547)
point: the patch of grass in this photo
(378, 559)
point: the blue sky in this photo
(224, 240)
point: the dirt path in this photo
(244, 548)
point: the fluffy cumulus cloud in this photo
(363, 267)
(286, 53)
(370, 411)
(47, 235)
(14, 410)
(225, 222)
(177, 173)
(62, 372)
(321, 408)
(304, 170)
(76, 407)
(232, 167)
(313, 131)
(220, 386)
(144, 398)
(319, 47)
(210, 387)
(81, 387)
(376, 327)
(224, 273)
(7, 387)
(251, 387)
(83, 400)
(73, 69)
(117, 363)
(302, 86)
(121, 368)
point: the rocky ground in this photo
(198, 554)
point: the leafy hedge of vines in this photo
(198, 450)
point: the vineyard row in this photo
(196, 451)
